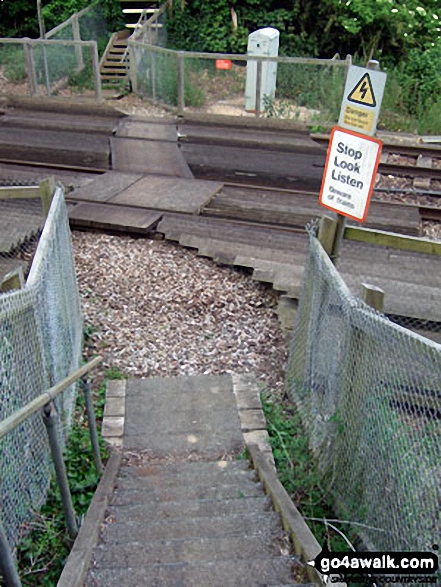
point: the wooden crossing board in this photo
(97, 215)
(158, 157)
(153, 130)
(167, 193)
(105, 186)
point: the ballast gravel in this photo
(153, 308)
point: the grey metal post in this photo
(153, 71)
(181, 84)
(341, 220)
(43, 36)
(30, 65)
(7, 565)
(96, 70)
(133, 73)
(77, 37)
(258, 87)
(92, 426)
(60, 470)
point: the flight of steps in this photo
(185, 511)
(192, 523)
(114, 63)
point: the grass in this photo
(42, 554)
(297, 471)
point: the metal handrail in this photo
(12, 421)
(151, 20)
(44, 401)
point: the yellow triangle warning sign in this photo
(363, 92)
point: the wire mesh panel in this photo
(155, 73)
(311, 91)
(40, 344)
(308, 90)
(213, 85)
(369, 395)
(49, 68)
(153, 30)
(63, 69)
(13, 71)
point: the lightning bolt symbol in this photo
(364, 89)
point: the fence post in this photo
(326, 233)
(96, 71)
(77, 37)
(60, 470)
(373, 296)
(92, 425)
(361, 349)
(339, 234)
(133, 73)
(47, 191)
(181, 82)
(258, 86)
(7, 565)
(13, 280)
(30, 65)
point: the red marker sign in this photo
(223, 63)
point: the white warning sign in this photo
(349, 177)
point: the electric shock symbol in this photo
(363, 92)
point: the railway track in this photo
(271, 169)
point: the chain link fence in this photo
(40, 344)
(369, 395)
(308, 90)
(63, 64)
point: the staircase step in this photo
(190, 492)
(153, 511)
(186, 550)
(188, 474)
(236, 573)
(214, 527)
(108, 70)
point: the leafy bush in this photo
(420, 79)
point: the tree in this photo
(18, 18)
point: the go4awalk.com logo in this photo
(381, 568)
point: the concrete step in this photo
(152, 511)
(257, 572)
(169, 493)
(215, 527)
(186, 474)
(190, 550)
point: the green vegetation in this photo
(12, 61)
(42, 554)
(297, 471)
(404, 37)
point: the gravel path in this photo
(154, 308)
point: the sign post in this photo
(353, 156)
